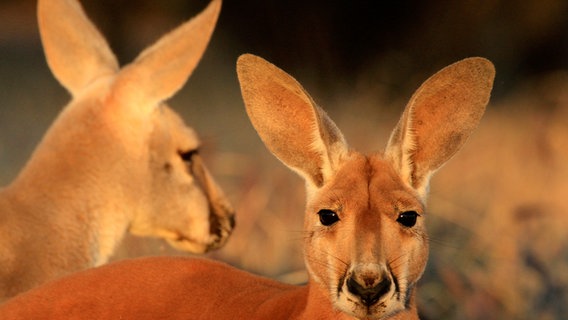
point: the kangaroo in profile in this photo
(117, 159)
(365, 242)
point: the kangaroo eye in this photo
(187, 156)
(328, 217)
(407, 218)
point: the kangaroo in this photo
(117, 159)
(365, 242)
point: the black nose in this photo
(218, 227)
(232, 220)
(369, 295)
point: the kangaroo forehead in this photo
(360, 170)
(372, 181)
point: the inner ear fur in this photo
(439, 118)
(290, 124)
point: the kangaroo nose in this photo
(369, 295)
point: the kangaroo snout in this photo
(221, 225)
(369, 295)
(369, 287)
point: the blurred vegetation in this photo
(497, 213)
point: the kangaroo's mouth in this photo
(220, 230)
(185, 243)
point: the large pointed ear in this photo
(439, 118)
(75, 50)
(288, 121)
(163, 68)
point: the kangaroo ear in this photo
(163, 68)
(288, 121)
(438, 120)
(75, 50)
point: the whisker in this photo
(326, 263)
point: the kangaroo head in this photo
(122, 148)
(365, 238)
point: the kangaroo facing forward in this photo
(116, 159)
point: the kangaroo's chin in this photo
(379, 310)
(191, 245)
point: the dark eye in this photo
(328, 217)
(187, 156)
(407, 218)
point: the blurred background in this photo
(498, 212)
